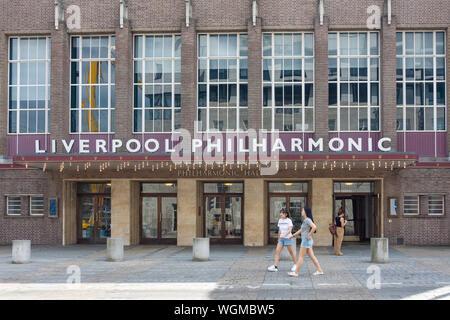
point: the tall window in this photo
(157, 83)
(29, 85)
(288, 77)
(92, 84)
(421, 102)
(353, 81)
(223, 82)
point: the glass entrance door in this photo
(223, 218)
(293, 203)
(353, 208)
(94, 219)
(159, 219)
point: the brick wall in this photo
(38, 229)
(422, 229)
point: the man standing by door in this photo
(339, 236)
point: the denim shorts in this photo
(285, 241)
(307, 243)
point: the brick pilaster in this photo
(388, 105)
(60, 85)
(124, 83)
(321, 79)
(254, 75)
(188, 76)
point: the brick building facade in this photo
(144, 196)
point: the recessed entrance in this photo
(292, 196)
(159, 212)
(223, 204)
(361, 206)
(94, 212)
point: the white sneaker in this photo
(317, 273)
(293, 268)
(272, 269)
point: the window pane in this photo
(399, 43)
(429, 93)
(374, 94)
(203, 45)
(409, 68)
(419, 68)
(332, 94)
(332, 44)
(409, 43)
(440, 118)
(429, 119)
(267, 44)
(309, 94)
(375, 119)
(419, 94)
(267, 95)
(343, 42)
(332, 119)
(309, 44)
(418, 37)
(374, 43)
(428, 42)
(440, 93)
(332, 69)
(409, 119)
(410, 93)
(440, 68)
(297, 44)
(420, 118)
(440, 41)
(399, 119)
(399, 93)
(353, 44)
(243, 45)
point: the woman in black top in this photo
(339, 236)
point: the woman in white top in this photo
(284, 239)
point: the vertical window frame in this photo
(272, 57)
(79, 60)
(368, 57)
(404, 107)
(18, 110)
(143, 59)
(208, 57)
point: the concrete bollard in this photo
(21, 251)
(379, 250)
(114, 249)
(285, 255)
(200, 249)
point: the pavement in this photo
(81, 272)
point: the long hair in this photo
(308, 213)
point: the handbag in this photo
(332, 229)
